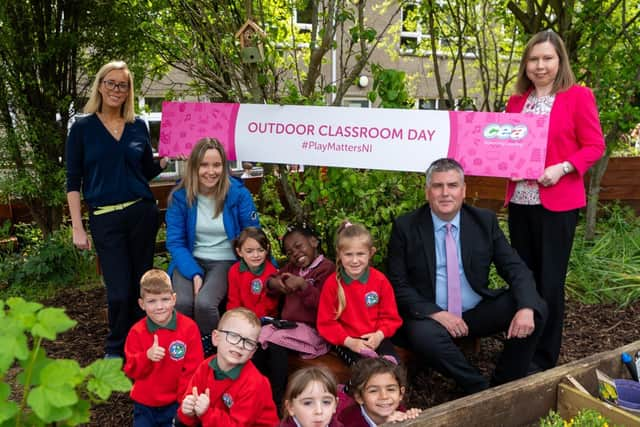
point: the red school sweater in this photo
(164, 382)
(243, 402)
(371, 306)
(249, 290)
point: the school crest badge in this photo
(227, 400)
(177, 350)
(256, 286)
(371, 298)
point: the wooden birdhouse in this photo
(250, 36)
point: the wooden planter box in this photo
(571, 401)
(524, 402)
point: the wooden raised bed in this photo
(524, 402)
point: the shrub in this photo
(607, 269)
(585, 418)
(44, 264)
(51, 391)
(373, 198)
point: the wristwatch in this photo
(566, 167)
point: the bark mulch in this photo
(589, 329)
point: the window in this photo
(358, 103)
(302, 14)
(434, 104)
(444, 104)
(411, 35)
(153, 104)
(414, 36)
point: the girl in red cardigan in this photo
(357, 311)
(248, 277)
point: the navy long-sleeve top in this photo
(109, 171)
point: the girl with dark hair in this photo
(248, 277)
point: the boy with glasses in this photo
(227, 389)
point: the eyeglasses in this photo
(233, 338)
(120, 87)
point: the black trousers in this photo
(125, 243)
(431, 341)
(543, 240)
(273, 363)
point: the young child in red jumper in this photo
(226, 389)
(299, 282)
(357, 311)
(377, 385)
(248, 277)
(162, 351)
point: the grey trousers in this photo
(203, 308)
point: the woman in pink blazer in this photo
(543, 213)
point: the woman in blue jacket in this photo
(207, 210)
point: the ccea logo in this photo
(506, 131)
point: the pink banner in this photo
(486, 144)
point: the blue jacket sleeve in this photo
(177, 219)
(239, 210)
(247, 212)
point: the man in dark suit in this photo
(436, 309)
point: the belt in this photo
(112, 208)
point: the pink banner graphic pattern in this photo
(184, 123)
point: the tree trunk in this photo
(290, 195)
(48, 218)
(597, 172)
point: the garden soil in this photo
(588, 330)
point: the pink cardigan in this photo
(574, 136)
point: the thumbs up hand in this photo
(202, 403)
(189, 403)
(155, 353)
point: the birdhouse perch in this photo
(250, 36)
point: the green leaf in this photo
(13, 344)
(63, 372)
(52, 321)
(107, 377)
(40, 400)
(7, 409)
(81, 413)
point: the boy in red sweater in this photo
(226, 389)
(162, 352)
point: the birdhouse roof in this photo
(253, 26)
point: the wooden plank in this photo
(521, 402)
(571, 401)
